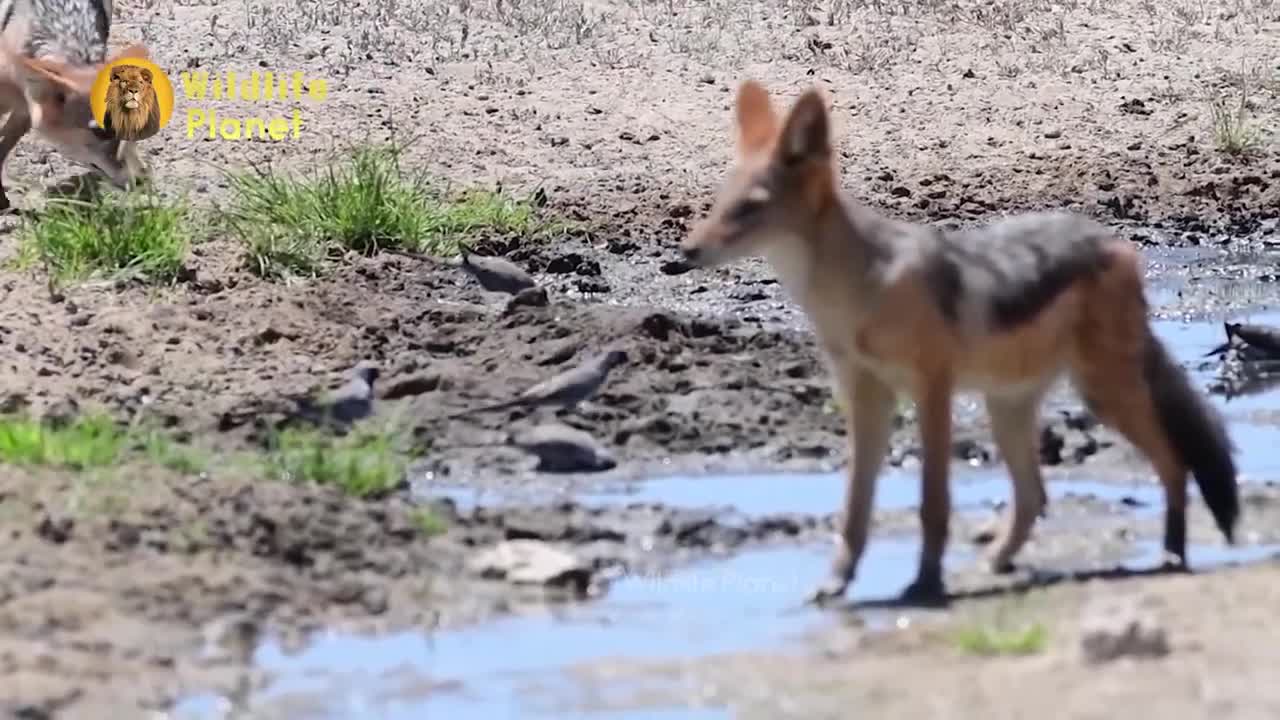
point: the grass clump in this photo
(999, 638)
(428, 522)
(1009, 628)
(293, 225)
(89, 442)
(1233, 131)
(362, 465)
(107, 235)
(86, 442)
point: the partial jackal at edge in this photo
(1004, 310)
(51, 52)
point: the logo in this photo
(205, 92)
(132, 98)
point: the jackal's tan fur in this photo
(1004, 310)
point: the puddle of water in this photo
(1189, 342)
(518, 666)
(509, 667)
(822, 493)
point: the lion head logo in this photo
(133, 112)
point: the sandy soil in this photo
(947, 112)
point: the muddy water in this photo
(513, 667)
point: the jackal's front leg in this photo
(933, 403)
(18, 124)
(868, 407)
(1013, 423)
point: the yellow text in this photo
(255, 86)
(241, 128)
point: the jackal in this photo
(1004, 310)
(50, 54)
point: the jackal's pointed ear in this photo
(757, 123)
(807, 132)
(136, 50)
(41, 74)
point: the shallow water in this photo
(1254, 436)
(502, 668)
(821, 493)
(513, 667)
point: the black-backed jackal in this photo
(1004, 309)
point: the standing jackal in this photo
(50, 55)
(1004, 309)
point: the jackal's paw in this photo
(831, 589)
(928, 591)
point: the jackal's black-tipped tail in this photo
(1197, 433)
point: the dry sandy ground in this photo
(946, 111)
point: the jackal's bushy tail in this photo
(1196, 432)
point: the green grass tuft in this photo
(90, 441)
(362, 465)
(291, 225)
(993, 640)
(429, 523)
(109, 234)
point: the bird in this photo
(347, 404)
(566, 389)
(1264, 341)
(494, 273)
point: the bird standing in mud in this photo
(494, 273)
(347, 404)
(566, 389)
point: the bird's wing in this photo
(1260, 336)
(545, 389)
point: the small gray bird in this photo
(494, 273)
(349, 403)
(354, 400)
(566, 389)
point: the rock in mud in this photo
(560, 448)
(1116, 628)
(532, 562)
(412, 385)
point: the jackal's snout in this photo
(706, 242)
